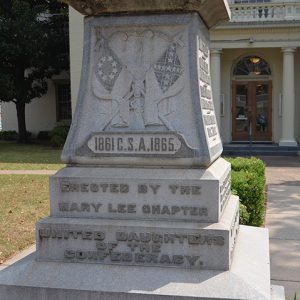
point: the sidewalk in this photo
(27, 172)
(283, 222)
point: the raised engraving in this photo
(234, 231)
(168, 68)
(130, 84)
(185, 189)
(122, 208)
(225, 191)
(68, 186)
(205, 92)
(203, 47)
(122, 247)
(135, 199)
(209, 120)
(174, 210)
(108, 67)
(207, 104)
(127, 257)
(146, 209)
(206, 95)
(144, 237)
(134, 143)
(79, 207)
(123, 188)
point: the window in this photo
(63, 102)
(251, 65)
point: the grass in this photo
(23, 200)
(14, 156)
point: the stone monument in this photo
(143, 209)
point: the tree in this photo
(33, 48)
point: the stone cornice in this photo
(212, 12)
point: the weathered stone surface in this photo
(195, 195)
(144, 243)
(248, 278)
(145, 97)
(212, 12)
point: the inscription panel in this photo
(134, 144)
(137, 144)
(196, 200)
(234, 229)
(225, 191)
(125, 245)
(207, 105)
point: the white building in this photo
(255, 68)
(255, 65)
(45, 113)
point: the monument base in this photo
(248, 278)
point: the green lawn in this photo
(23, 200)
(14, 156)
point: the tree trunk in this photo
(20, 106)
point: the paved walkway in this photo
(28, 172)
(283, 221)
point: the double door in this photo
(252, 111)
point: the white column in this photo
(288, 98)
(215, 71)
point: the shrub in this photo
(59, 135)
(252, 164)
(248, 182)
(43, 135)
(57, 141)
(9, 135)
(244, 215)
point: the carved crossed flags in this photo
(168, 68)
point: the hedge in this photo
(58, 135)
(9, 135)
(12, 135)
(248, 182)
(252, 164)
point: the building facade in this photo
(255, 70)
(255, 65)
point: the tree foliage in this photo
(33, 47)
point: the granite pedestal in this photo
(143, 209)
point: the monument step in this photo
(198, 195)
(144, 243)
(248, 278)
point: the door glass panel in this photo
(241, 102)
(262, 96)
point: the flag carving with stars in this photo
(168, 68)
(108, 67)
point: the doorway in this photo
(252, 111)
